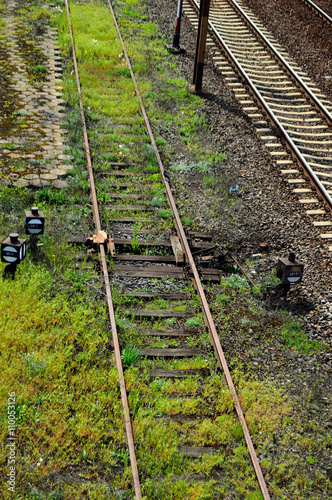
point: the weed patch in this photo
(295, 338)
(62, 379)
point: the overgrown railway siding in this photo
(90, 457)
(128, 353)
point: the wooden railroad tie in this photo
(208, 274)
(160, 372)
(169, 353)
(161, 313)
(169, 333)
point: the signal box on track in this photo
(289, 270)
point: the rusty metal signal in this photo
(289, 270)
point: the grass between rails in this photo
(150, 463)
(287, 473)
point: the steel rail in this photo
(295, 77)
(197, 282)
(318, 11)
(292, 146)
(251, 283)
(122, 384)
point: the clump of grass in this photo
(194, 322)
(261, 412)
(160, 141)
(271, 279)
(312, 460)
(34, 366)
(180, 167)
(148, 152)
(108, 157)
(123, 323)
(187, 221)
(203, 167)
(170, 321)
(129, 356)
(180, 308)
(158, 201)
(13, 198)
(236, 281)
(52, 196)
(103, 197)
(37, 162)
(209, 182)
(153, 177)
(296, 339)
(39, 68)
(158, 190)
(164, 213)
(122, 71)
(220, 298)
(121, 457)
(160, 303)
(216, 157)
(150, 167)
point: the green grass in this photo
(194, 322)
(295, 338)
(223, 298)
(65, 384)
(59, 360)
(39, 69)
(236, 281)
(129, 356)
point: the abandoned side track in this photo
(130, 263)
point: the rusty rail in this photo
(251, 283)
(207, 314)
(124, 399)
(197, 283)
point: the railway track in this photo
(160, 315)
(290, 113)
(322, 8)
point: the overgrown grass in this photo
(296, 339)
(58, 360)
(66, 389)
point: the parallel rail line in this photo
(323, 14)
(299, 114)
(188, 270)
